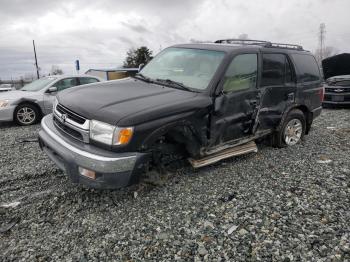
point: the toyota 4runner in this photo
(201, 102)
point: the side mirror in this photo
(141, 66)
(52, 89)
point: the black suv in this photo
(203, 102)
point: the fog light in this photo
(88, 173)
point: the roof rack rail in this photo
(258, 42)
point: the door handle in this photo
(290, 97)
(253, 102)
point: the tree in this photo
(135, 57)
(55, 70)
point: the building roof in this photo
(113, 69)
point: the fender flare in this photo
(304, 109)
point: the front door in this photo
(278, 88)
(49, 98)
(238, 100)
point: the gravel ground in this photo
(288, 204)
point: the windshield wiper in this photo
(175, 84)
(143, 78)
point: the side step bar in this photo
(226, 153)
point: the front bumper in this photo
(336, 98)
(113, 170)
(6, 113)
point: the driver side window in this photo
(241, 73)
(66, 83)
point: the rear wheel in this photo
(292, 130)
(26, 114)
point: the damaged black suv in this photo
(202, 102)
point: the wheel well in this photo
(30, 103)
(308, 116)
(177, 135)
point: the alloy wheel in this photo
(293, 132)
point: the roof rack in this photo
(258, 42)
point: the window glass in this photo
(39, 84)
(306, 67)
(273, 69)
(87, 80)
(192, 67)
(242, 73)
(289, 74)
(66, 83)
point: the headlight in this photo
(55, 103)
(4, 103)
(110, 135)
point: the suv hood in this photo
(128, 102)
(336, 65)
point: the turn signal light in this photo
(124, 135)
(88, 173)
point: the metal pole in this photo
(36, 61)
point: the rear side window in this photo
(87, 80)
(306, 67)
(66, 83)
(276, 70)
(241, 73)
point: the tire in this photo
(26, 115)
(292, 130)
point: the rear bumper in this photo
(6, 114)
(113, 170)
(316, 112)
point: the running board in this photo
(226, 153)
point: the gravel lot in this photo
(288, 204)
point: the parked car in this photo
(27, 105)
(337, 90)
(203, 102)
(5, 87)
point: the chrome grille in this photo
(71, 123)
(70, 114)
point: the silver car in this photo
(27, 105)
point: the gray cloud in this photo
(99, 33)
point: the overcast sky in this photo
(99, 33)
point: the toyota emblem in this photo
(63, 117)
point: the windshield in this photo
(38, 84)
(193, 68)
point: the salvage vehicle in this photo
(27, 105)
(201, 102)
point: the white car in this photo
(5, 87)
(27, 105)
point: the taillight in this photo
(321, 93)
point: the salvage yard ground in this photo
(279, 204)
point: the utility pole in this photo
(322, 36)
(36, 61)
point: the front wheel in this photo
(26, 114)
(292, 130)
